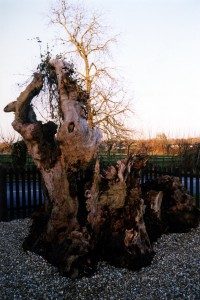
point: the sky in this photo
(158, 54)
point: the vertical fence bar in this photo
(23, 192)
(3, 200)
(151, 172)
(191, 182)
(17, 185)
(185, 176)
(30, 189)
(180, 174)
(142, 176)
(29, 200)
(146, 173)
(10, 194)
(155, 172)
(34, 188)
(40, 194)
(159, 171)
(197, 189)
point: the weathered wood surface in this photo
(169, 207)
(90, 213)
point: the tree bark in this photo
(90, 213)
(169, 207)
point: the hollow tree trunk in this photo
(59, 159)
(89, 213)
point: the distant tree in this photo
(7, 141)
(161, 141)
(161, 136)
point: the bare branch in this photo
(86, 41)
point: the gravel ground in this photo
(173, 274)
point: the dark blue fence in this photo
(21, 189)
(20, 192)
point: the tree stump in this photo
(90, 213)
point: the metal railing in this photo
(21, 189)
(20, 192)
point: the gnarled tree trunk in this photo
(89, 213)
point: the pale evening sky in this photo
(158, 53)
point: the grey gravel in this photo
(173, 274)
